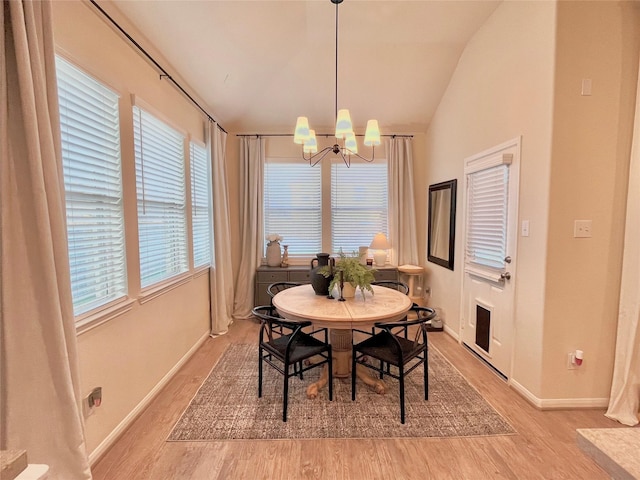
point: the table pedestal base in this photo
(341, 348)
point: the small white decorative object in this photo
(362, 253)
(285, 257)
(274, 254)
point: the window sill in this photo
(200, 271)
(159, 289)
(103, 315)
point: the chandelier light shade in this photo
(301, 134)
(304, 136)
(343, 124)
(311, 144)
(350, 142)
(372, 135)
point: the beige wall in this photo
(589, 177)
(517, 77)
(502, 89)
(129, 355)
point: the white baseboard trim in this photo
(101, 449)
(547, 403)
(558, 403)
(451, 332)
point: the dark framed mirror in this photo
(441, 232)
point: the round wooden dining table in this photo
(341, 317)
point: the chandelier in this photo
(344, 130)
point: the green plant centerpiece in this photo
(349, 269)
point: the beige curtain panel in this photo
(221, 272)
(624, 403)
(252, 157)
(40, 403)
(402, 217)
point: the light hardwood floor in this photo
(544, 448)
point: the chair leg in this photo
(353, 375)
(259, 372)
(401, 379)
(425, 366)
(330, 374)
(285, 398)
(382, 369)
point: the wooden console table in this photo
(265, 276)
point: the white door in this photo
(490, 226)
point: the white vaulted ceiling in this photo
(259, 64)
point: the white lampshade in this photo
(301, 133)
(350, 143)
(380, 244)
(311, 145)
(343, 123)
(372, 135)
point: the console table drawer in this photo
(387, 274)
(271, 277)
(300, 276)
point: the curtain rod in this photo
(164, 73)
(326, 135)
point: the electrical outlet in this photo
(570, 361)
(87, 410)
(91, 401)
(582, 229)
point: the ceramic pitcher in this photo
(319, 282)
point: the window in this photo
(487, 194)
(293, 204)
(358, 204)
(90, 135)
(200, 206)
(160, 185)
(354, 206)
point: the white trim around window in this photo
(161, 196)
(90, 139)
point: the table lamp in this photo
(380, 244)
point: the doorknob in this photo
(507, 259)
(505, 276)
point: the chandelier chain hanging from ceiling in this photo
(344, 130)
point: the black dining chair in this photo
(284, 345)
(394, 285)
(275, 288)
(392, 349)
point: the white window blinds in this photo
(486, 238)
(293, 204)
(160, 185)
(200, 206)
(359, 204)
(93, 188)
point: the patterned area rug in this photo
(227, 406)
